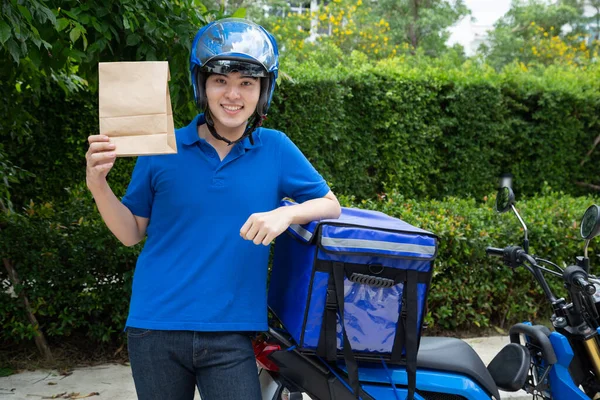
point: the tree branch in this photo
(588, 185)
(589, 153)
(40, 340)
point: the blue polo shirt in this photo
(195, 271)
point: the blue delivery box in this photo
(367, 269)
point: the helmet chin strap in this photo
(254, 122)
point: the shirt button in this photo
(218, 182)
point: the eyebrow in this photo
(241, 77)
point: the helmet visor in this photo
(245, 68)
(236, 39)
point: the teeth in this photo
(232, 108)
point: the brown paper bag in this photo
(135, 107)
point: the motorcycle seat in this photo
(454, 355)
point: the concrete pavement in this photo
(112, 381)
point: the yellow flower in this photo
(532, 23)
(331, 18)
(545, 34)
(322, 17)
(359, 3)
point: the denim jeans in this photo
(168, 365)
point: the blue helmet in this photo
(234, 44)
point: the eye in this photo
(247, 83)
(220, 80)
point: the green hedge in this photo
(75, 273)
(78, 277)
(431, 132)
(426, 131)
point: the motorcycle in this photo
(563, 364)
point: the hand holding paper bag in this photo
(135, 107)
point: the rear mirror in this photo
(505, 199)
(590, 224)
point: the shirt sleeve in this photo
(299, 180)
(140, 194)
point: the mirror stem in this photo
(585, 249)
(526, 240)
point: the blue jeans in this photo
(168, 365)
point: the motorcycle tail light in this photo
(262, 350)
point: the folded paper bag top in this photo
(135, 107)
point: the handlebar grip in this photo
(585, 285)
(494, 251)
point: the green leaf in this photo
(4, 32)
(74, 34)
(62, 23)
(49, 14)
(85, 42)
(69, 14)
(151, 55)
(25, 13)
(13, 49)
(133, 39)
(197, 4)
(37, 41)
(126, 22)
(35, 56)
(97, 26)
(239, 13)
(101, 12)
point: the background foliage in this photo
(78, 277)
(543, 32)
(432, 130)
(393, 118)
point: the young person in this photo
(209, 213)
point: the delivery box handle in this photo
(375, 281)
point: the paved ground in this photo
(114, 381)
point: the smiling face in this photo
(232, 99)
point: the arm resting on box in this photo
(316, 209)
(263, 228)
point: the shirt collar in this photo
(190, 134)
